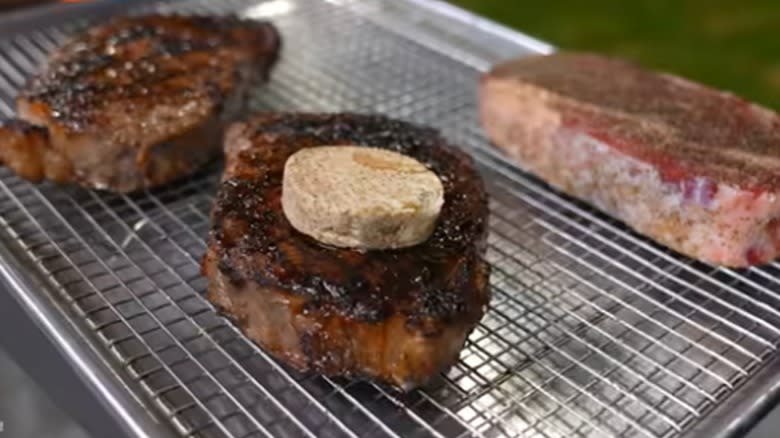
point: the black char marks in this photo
(139, 101)
(430, 295)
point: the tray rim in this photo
(101, 377)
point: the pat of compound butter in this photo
(361, 197)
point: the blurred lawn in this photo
(729, 44)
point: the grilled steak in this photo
(137, 102)
(693, 168)
(399, 316)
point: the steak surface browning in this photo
(694, 168)
(399, 316)
(136, 102)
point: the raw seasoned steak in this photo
(693, 168)
(137, 102)
(399, 316)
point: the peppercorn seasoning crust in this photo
(680, 127)
(398, 316)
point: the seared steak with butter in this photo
(137, 102)
(399, 316)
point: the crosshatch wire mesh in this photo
(592, 331)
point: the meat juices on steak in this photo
(398, 316)
(136, 102)
(693, 168)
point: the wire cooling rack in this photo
(592, 332)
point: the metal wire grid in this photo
(592, 331)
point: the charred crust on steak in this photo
(398, 316)
(23, 127)
(442, 279)
(139, 101)
(136, 57)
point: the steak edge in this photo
(136, 102)
(398, 316)
(693, 168)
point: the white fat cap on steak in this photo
(361, 197)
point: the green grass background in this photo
(729, 44)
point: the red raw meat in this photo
(693, 168)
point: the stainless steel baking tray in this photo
(593, 331)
